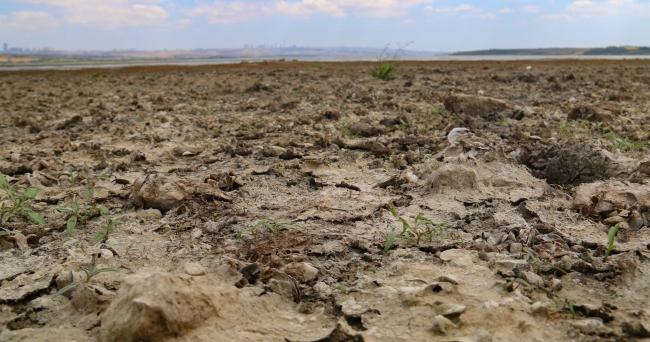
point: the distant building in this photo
(6, 48)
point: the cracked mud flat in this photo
(194, 156)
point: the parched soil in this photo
(294, 201)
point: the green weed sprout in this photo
(77, 217)
(538, 264)
(386, 70)
(610, 238)
(91, 180)
(422, 227)
(111, 223)
(383, 72)
(565, 303)
(343, 127)
(272, 225)
(91, 271)
(19, 202)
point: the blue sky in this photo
(434, 25)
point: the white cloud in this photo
(608, 8)
(409, 21)
(531, 9)
(463, 10)
(184, 22)
(559, 17)
(506, 10)
(222, 12)
(27, 21)
(304, 8)
(228, 12)
(108, 14)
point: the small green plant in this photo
(317, 64)
(422, 227)
(95, 75)
(111, 223)
(610, 239)
(19, 202)
(539, 265)
(91, 271)
(343, 127)
(253, 129)
(383, 72)
(209, 109)
(91, 181)
(562, 303)
(73, 177)
(77, 216)
(272, 225)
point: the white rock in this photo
(448, 278)
(106, 254)
(196, 233)
(322, 290)
(441, 324)
(450, 309)
(410, 177)
(588, 325)
(533, 279)
(194, 269)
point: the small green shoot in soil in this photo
(562, 303)
(111, 223)
(272, 225)
(385, 70)
(538, 264)
(610, 239)
(422, 227)
(343, 127)
(91, 271)
(77, 217)
(91, 181)
(19, 202)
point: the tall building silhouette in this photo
(6, 48)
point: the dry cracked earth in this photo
(290, 201)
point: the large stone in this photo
(453, 177)
(582, 162)
(154, 307)
(510, 267)
(365, 129)
(302, 271)
(590, 113)
(473, 105)
(158, 192)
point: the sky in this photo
(432, 25)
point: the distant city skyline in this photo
(433, 25)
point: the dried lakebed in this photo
(310, 202)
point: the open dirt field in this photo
(290, 201)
